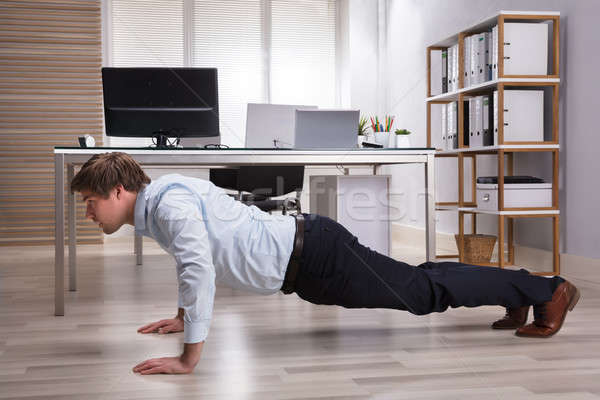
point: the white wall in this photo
(364, 56)
(413, 25)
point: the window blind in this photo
(147, 33)
(277, 51)
(228, 35)
(303, 52)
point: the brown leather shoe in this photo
(550, 315)
(514, 318)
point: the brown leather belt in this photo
(289, 282)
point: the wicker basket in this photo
(478, 248)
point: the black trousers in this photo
(336, 269)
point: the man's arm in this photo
(183, 233)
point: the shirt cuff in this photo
(194, 332)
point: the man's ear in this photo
(119, 190)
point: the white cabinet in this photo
(525, 48)
(523, 115)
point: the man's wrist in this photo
(191, 354)
(180, 313)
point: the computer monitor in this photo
(271, 125)
(161, 102)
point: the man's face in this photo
(109, 213)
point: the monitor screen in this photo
(174, 102)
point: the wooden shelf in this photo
(509, 212)
(475, 210)
(446, 208)
(453, 96)
(506, 147)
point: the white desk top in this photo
(196, 151)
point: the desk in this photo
(71, 156)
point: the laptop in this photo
(271, 125)
(326, 129)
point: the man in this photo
(214, 238)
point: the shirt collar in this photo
(140, 212)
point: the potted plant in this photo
(362, 129)
(402, 138)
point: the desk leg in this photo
(72, 231)
(138, 246)
(430, 208)
(59, 234)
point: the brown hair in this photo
(101, 173)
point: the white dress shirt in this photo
(213, 238)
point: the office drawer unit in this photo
(359, 202)
(516, 195)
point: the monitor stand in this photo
(160, 141)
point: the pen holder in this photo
(383, 138)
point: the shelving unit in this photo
(505, 150)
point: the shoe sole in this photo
(507, 327)
(570, 307)
(574, 300)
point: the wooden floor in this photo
(274, 347)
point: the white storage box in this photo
(515, 195)
(525, 48)
(523, 116)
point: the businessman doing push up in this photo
(216, 239)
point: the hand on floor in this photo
(163, 326)
(164, 365)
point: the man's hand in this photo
(163, 326)
(164, 365)
(183, 364)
